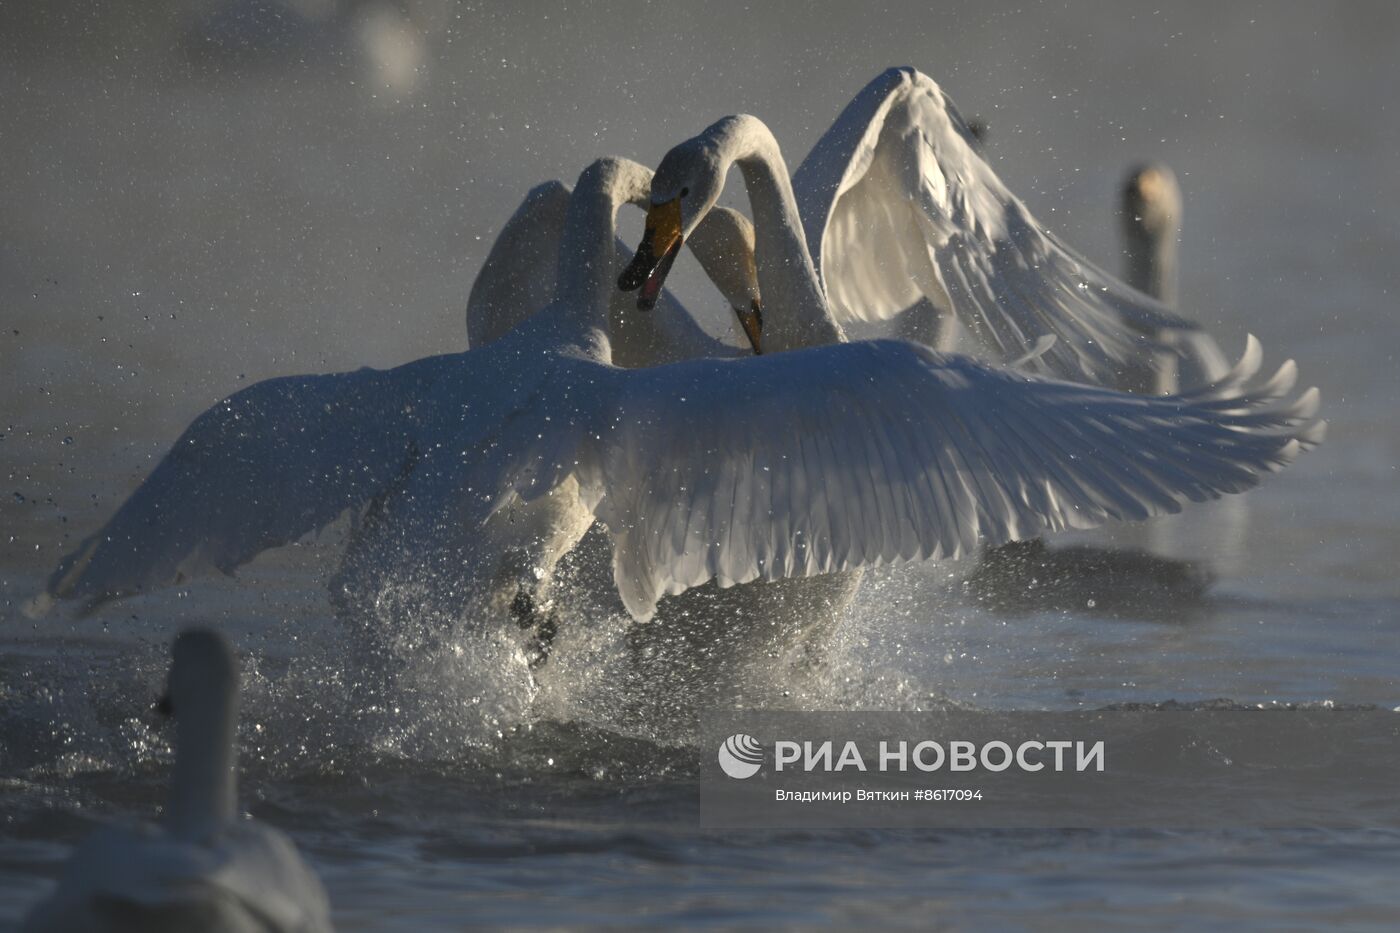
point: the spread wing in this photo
(843, 456)
(899, 206)
(259, 469)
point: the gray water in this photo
(178, 221)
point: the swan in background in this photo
(904, 221)
(204, 868)
(518, 277)
(1132, 577)
(1151, 215)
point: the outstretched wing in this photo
(849, 455)
(898, 206)
(259, 469)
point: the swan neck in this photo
(1151, 258)
(203, 800)
(787, 278)
(588, 263)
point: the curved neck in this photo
(798, 314)
(588, 252)
(203, 795)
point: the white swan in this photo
(518, 277)
(807, 462)
(904, 220)
(754, 621)
(757, 621)
(204, 869)
(1151, 216)
(288, 456)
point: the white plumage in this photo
(204, 869)
(900, 211)
(518, 277)
(820, 459)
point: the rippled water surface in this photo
(178, 222)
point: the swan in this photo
(905, 222)
(1151, 220)
(204, 868)
(288, 456)
(821, 459)
(702, 631)
(517, 278)
(1132, 579)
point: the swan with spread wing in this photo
(288, 456)
(814, 461)
(904, 222)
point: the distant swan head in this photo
(1151, 201)
(1151, 211)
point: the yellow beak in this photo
(661, 241)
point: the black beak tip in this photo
(636, 273)
(163, 706)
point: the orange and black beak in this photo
(751, 320)
(661, 242)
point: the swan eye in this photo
(685, 191)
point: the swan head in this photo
(1151, 201)
(686, 186)
(203, 675)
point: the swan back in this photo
(517, 278)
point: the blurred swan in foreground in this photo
(204, 868)
(808, 462)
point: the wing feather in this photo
(896, 186)
(261, 468)
(838, 457)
